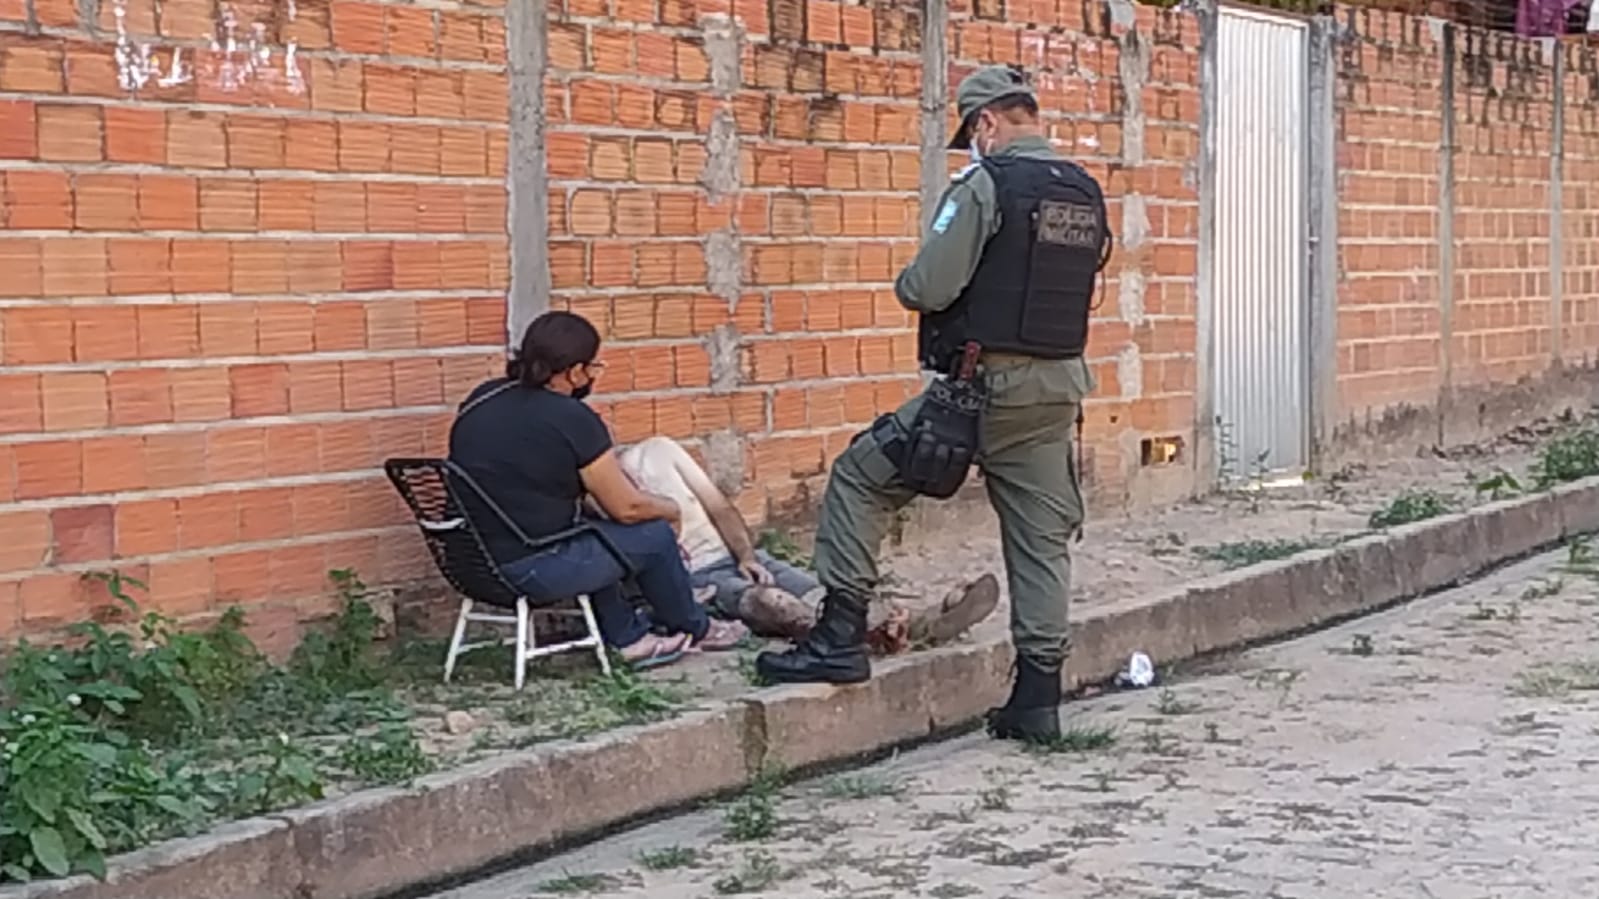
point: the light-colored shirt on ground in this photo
(662, 467)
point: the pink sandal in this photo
(722, 636)
(652, 651)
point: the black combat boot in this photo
(833, 653)
(1032, 714)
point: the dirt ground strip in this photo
(1445, 748)
(1119, 557)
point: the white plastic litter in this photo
(1140, 672)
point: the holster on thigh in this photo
(935, 453)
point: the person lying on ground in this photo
(537, 450)
(774, 598)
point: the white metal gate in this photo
(1261, 287)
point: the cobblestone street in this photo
(1446, 748)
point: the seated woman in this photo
(537, 449)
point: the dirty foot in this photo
(961, 609)
(771, 612)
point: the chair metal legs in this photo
(526, 639)
(456, 640)
(524, 643)
(594, 635)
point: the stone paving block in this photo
(1240, 607)
(1578, 503)
(1160, 626)
(250, 859)
(1323, 584)
(1513, 528)
(1380, 580)
(1440, 551)
(379, 841)
(963, 682)
(810, 723)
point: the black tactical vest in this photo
(1033, 288)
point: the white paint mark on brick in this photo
(1131, 295)
(237, 62)
(1130, 372)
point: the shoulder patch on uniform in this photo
(946, 214)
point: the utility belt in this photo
(935, 454)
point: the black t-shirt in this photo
(524, 447)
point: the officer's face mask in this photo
(976, 139)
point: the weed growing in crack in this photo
(759, 871)
(1168, 703)
(753, 816)
(1077, 738)
(1280, 679)
(1243, 553)
(995, 798)
(1543, 588)
(1412, 506)
(1555, 680)
(862, 786)
(577, 883)
(669, 858)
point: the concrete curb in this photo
(378, 842)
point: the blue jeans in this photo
(730, 584)
(583, 565)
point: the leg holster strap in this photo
(934, 456)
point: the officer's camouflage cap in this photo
(981, 88)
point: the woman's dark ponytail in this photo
(553, 343)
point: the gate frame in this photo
(1320, 238)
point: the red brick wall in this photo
(226, 297)
(1504, 129)
(1580, 215)
(1393, 371)
(805, 197)
(1388, 125)
(1135, 127)
(229, 294)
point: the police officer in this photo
(1006, 271)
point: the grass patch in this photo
(1169, 703)
(139, 731)
(996, 798)
(1556, 680)
(753, 816)
(759, 871)
(1568, 457)
(568, 884)
(1243, 553)
(1411, 506)
(669, 858)
(1077, 738)
(862, 786)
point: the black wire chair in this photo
(434, 489)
